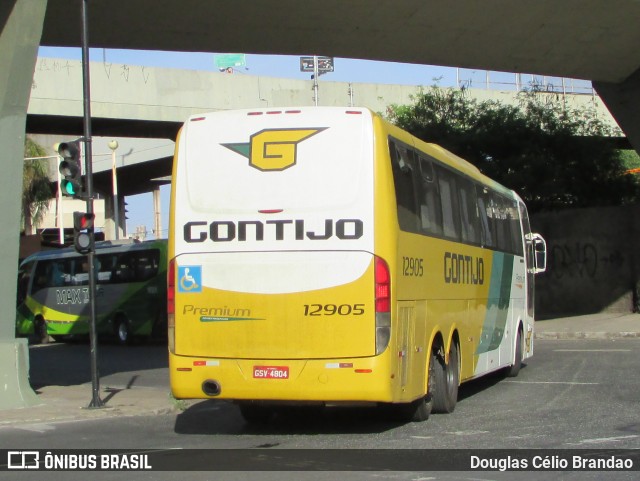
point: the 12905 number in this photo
(333, 309)
(412, 267)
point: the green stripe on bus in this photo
(495, 320)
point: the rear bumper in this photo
(319, 380)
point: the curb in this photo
(71, 403)
(586, 335)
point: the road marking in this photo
(604, 440)
(592, 350)
(466, 433)
(36, 428)
(557, 382)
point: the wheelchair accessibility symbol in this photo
(190, 279)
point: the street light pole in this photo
(113, 145)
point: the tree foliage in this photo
(553, 155)
(36, 190)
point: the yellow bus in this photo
(322, 255)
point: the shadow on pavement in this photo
(67, 364)
(221, 417)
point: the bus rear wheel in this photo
(40, 331)
(415, 411)
(421, 409)
(444, 379)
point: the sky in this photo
(140, 207)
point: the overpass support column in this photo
(157, 213)
(623, 101)
(110, 218)
(21, 22)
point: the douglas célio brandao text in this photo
(551, 463)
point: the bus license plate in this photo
(271, 372)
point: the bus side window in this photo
(56, 275)
(516, 231)
(105, 263)
(41, 276)
(124, 269)
(469, 211)
(507, 225)
(81, 272)
(450, 208)
(24, 276)
(430, 209)
(485, 208)
(503, 238)
(147, 265)
(403, 167)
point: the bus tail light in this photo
(383, 304)
(171, 304)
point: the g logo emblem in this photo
(273, 149)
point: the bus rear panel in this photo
(275, 280)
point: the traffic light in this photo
(71, 184)
(82, 231)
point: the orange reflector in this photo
(183, 369)
(363, 371)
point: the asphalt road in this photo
(66, 364)
(582, 394)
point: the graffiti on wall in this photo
(74, 68)
(582, 260)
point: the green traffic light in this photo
(70, 169)
(68, 188)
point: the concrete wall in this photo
(121, 91)
(592, 261)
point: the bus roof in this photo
(447, 157)
(101, 246)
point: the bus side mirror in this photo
(540, 253)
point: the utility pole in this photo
(317, 65)
(315, 79)
(96, 402)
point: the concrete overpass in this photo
(586, 39)
(152, 103)
(589, 39)
(143, 108)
